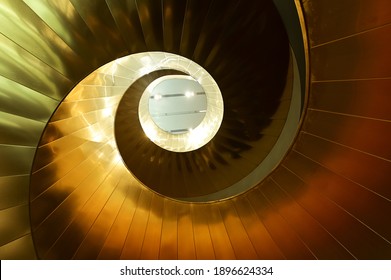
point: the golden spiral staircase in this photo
(66, 192)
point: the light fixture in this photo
(157, 97)
(189, 94)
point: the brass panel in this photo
(62, 146)
(14, 224)
(22, 101)
(127, 20)
(67, 24)
(348, 131)
(95, 91)
(76, 232)
(101, 78)
(19, 249)
(115, 241)
(19, 131)
(113, 76)
(58, 129)
(169, 235)
(225, 34)
(51, 198)
(57, 148)
(195, 14)
(218, 233)
(173, 20)
(356, 57)
(334, 19)
(368, 207)
(19, 65)
(202, 240)
(151, 242)
(15, 160)
(97, 216)
(364, 169)
(212, 27)
(14, 191)
(39, 39)
(99, 20)
(150, 16)
(320, 242)
(134, 240)
(241, 243)
(51, 173)
(349, 232)
(46, 233)
(72, 109)
(366, 98)
(96, 236)
(261, 239)
(186, 239)
(282, 233)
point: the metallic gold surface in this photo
(13, 190)
(68, 25)
(22, 101)
(343, 18)
(173, 18)
(19, 65)
(376, 107)
(14, 223)
(346, 131)
(97, 16)
(355, 57)
(348, 162)
(150, 16)
(127, 20)
(339, 190)
(19, 249)
(39, 38)
(18, 135)
(325, 212)
(329, 198)
(16, 160)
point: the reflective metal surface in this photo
(329, 198)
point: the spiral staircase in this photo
(79, 181)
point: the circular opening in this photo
(181, 113)
(177, 103)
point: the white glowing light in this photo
(113, 71)
(107, 112)
(189, 94)
(147, 69)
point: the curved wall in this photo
(329, 199)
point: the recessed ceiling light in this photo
(189, 94)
